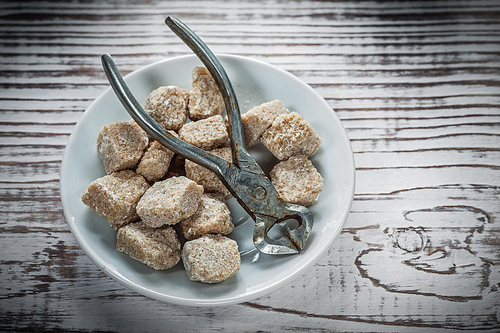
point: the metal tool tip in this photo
(170, 20)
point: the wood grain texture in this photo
(417, 87)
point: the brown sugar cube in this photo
(205, 99)
(158, 248)
(168, 106)
(169, 201)
(289, 135)
(155, 161)
(260, 118)
(212, 217)
(206, 134)
(121, 145)
(211, 258)
(115, 197)
(205, 177)
(297, 180)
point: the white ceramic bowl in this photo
(255, 82)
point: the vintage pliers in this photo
(243, 177)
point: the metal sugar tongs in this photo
(243, 177)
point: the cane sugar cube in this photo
(158, 248)
(297, 180)
(205, 99)
(168, 106)
(205, 177)
(169, 201)
(121, 145)
(206, 134)
(289, 135)
(115, 197)
(211, 258)
(260, 118)
(212, 217)
(155, 161)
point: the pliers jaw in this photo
(256, 194)
(292, 241)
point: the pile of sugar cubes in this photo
(165, 208)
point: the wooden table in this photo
(417, 87)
